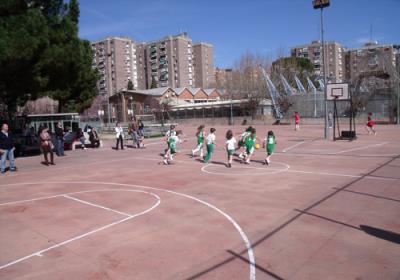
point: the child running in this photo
(210, 140)
(172, 147)
(230, 146)
(168, 134)
(370, 124)
(249, 144)
(242, 140)
(200, 141)
(270, 142)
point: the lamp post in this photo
(321, 4)
(131, 103)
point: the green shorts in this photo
(173, 150)
(270, 149)
(230, 152)
(249, 150)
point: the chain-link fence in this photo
(382, 104)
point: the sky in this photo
(234, 27)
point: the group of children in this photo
(247, 141)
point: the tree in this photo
(130, 85)
(247, 82)
(153, 82)
(41, 55)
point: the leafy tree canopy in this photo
(41, 54)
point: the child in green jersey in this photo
(210, 141)
(200, 141)
(242, 139)
(270, 143)
(172, 142)
(249, 145)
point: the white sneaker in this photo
(165, 161)
(241, 155)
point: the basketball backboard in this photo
(338, 91)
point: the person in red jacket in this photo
(370, 124)
(296, 121)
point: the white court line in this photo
(342, 175)
(40, 253)
(250, 253)
(359, 148)
(96, 205)
(293, 146)
(265, 169)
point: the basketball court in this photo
(320, 210)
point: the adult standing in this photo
(59, 140)
(133, 131)
(6, 148)
(141, 132)
(119, 133)
(46, 145)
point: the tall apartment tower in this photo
(168, 61)
(334, 59)
(369, 58)
(115, 59)
(204, 71)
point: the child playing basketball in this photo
(200, 141)
(168, 134)
(270, 143)
(210, 141)
(249, 144)
(296, 121)
(172, 147)
(370, 124)
(242, 140)
(230, 146)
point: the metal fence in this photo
(382, 105)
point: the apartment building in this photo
(334, 59)
(204, 71)
(115, 59)
(168, 62)
(372, 57)
(223, 76)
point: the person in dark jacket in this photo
(94, 138)
(6, 148)
(59, 140)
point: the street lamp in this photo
(321, 4)
(131, 101)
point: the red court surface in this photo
(321, 210)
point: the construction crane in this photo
(274, 94)
(313, 89)
(288, 89)
(321, 85)
(300, 86)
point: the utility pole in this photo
(321, 4)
